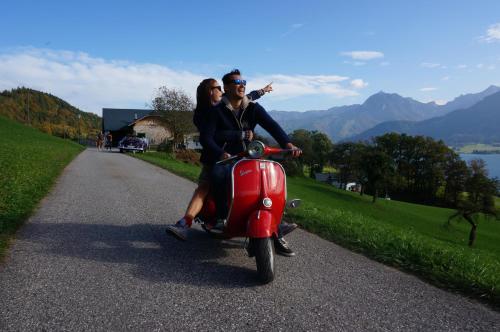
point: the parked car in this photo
(133, 144)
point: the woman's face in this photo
(215, 92)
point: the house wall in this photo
(155, 129)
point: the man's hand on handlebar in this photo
(248, 135)
(296, 151)
(225, 156)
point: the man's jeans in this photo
(221, 177)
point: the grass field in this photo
(409, 236)
(30, 161)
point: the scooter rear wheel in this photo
(264, 257)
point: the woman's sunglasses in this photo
(238, 82)
(217, 87)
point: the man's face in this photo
(236, 88)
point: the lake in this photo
(492, 162)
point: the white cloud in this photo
(363, 55)
(384, 63)
(292, 29)
(358, 83)
(479, 66)
(428, 89)
(492, 34)
(91, 83)
(445, 78)
(491, 67)
(429, 65)
(462, 66)
(288, 86)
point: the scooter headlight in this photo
(255, 149)
(267, 202)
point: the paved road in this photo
(95, 257)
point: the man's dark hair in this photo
(226, 79)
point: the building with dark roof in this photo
(121, 122)
(114, 119)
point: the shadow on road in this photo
(154, 255)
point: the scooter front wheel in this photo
(262, 249)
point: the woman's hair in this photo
(203, 95)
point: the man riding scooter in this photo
(235, 114)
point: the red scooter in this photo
(256, 201)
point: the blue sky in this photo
(319, 54)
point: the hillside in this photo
(345, 121)
(30, 162)
(476, 124)
(48, 113)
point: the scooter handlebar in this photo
(267, 152)
(270, 150)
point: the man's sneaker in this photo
(286, 228)
(281, 247)
(179, 229)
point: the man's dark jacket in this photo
(223, 129)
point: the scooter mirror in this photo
(255, 149)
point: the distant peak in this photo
(383, 95)
(493, 88)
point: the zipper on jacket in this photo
(238, 122)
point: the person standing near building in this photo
(109, 141)
(100, 140)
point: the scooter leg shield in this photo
(260, 224)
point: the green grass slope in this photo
(412, 237)
(30, 162)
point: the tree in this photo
(480, 198)
(376, 166)
(302, 138)
(167, 99)
(456, 174)
(322, 148)
(169, 103)
(346, 158)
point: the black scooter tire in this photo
(262, 249)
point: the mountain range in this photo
(479, 123)
(345, 122)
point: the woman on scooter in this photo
(208, 93)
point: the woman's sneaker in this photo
(179, 229)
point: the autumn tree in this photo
(169, 103)
(167, 99)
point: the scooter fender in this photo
(261, 225)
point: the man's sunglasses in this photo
(238, 82)
(217, 87)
